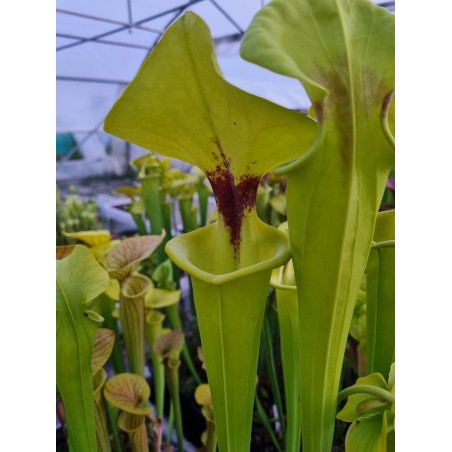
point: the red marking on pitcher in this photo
(232, 199)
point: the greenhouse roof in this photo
(100, 46)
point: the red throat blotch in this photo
(232, 199)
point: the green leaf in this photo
(381, 296)
(283, 280)
(99, 379)
(79, 279)
(99, 242)
(343, 54)
(388, 431)
(370, 408)
(365, 435)
(317, 43)
(130, 423)
(287, 305)
(154, 329)
(202, 395)
(102, 348)
(137, 208)
(358, 328)
(150, 193)
(311, 113)
(169, 345)
(391, 379)
(263, 207)
(132, 316)
(350, 411)
(163, 275)
(384, 227)
(372, 433)
(230, 326)
(391, 117)
(128, 392)
(279, 204)
(123, 258)
(155, 319)
(100, 415)
(181, 185)
(91, 238)
(113, 290)
(161, 298)
(204, 398)
(136, 428)
(130, 191)
(151, 165)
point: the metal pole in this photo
(129, 12)
(103, 41)
(225, 14)
(65, 78)
(109, 21)
(125, 27)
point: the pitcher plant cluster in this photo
(318, 279)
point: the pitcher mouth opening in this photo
(136, 286)
(187, 250)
